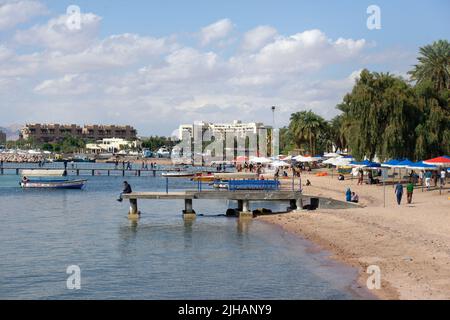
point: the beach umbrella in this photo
(277, 164)
(331, 155)
(343, 161)
(331, 161)
(288, 158)
(443, 161)
(260, 160)
(241, 159)
(307, 159)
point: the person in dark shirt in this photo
(399, 192)
(126, 190)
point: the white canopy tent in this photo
(260, 160)
(278, 163)
(307, 159)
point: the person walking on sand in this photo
(443, 176)
(399, 192)
(410, 191)
(360, 177)
(428, 180)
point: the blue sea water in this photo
(163, 256)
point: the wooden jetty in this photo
(90, 171)
(295, 199)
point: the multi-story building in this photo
(112, 145)
(237, 128)
(56, 132)
(2, 137)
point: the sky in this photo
(158, 64)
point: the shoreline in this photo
(355, 288)
(410, 243)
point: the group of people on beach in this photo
(423, 178)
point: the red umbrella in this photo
(241, 159)
(443, 161)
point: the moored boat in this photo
(177, 174)
(46, 179)
(53, 184)
(204, 177)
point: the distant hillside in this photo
(12, 131)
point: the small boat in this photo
(177, 174)
(53, 184)
(46, 179)
(204, 177)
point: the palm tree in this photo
(306, 126)
(434, 65)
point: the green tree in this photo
(380, 117)
(155, 142)
(434, 65)
(307, 127)
(433, 132)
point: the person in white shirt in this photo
(443, 176)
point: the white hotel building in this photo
(237, 128)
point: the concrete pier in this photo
(295, 199)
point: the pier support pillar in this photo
(240, 205)
(188, 209)
(299, 204)
(293, 204)
(134, 213)
(245, 212)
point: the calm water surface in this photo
(162, 257)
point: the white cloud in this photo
(156, 83)
(114, 51)
(14, 12)
(55, 34)
(70, 84)
(256, 38)
(216, 31)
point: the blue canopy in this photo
(391, 163)
(420, 165)
(366, 163)
(404, 163)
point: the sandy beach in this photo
(410, 243)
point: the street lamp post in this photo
(273, 115)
